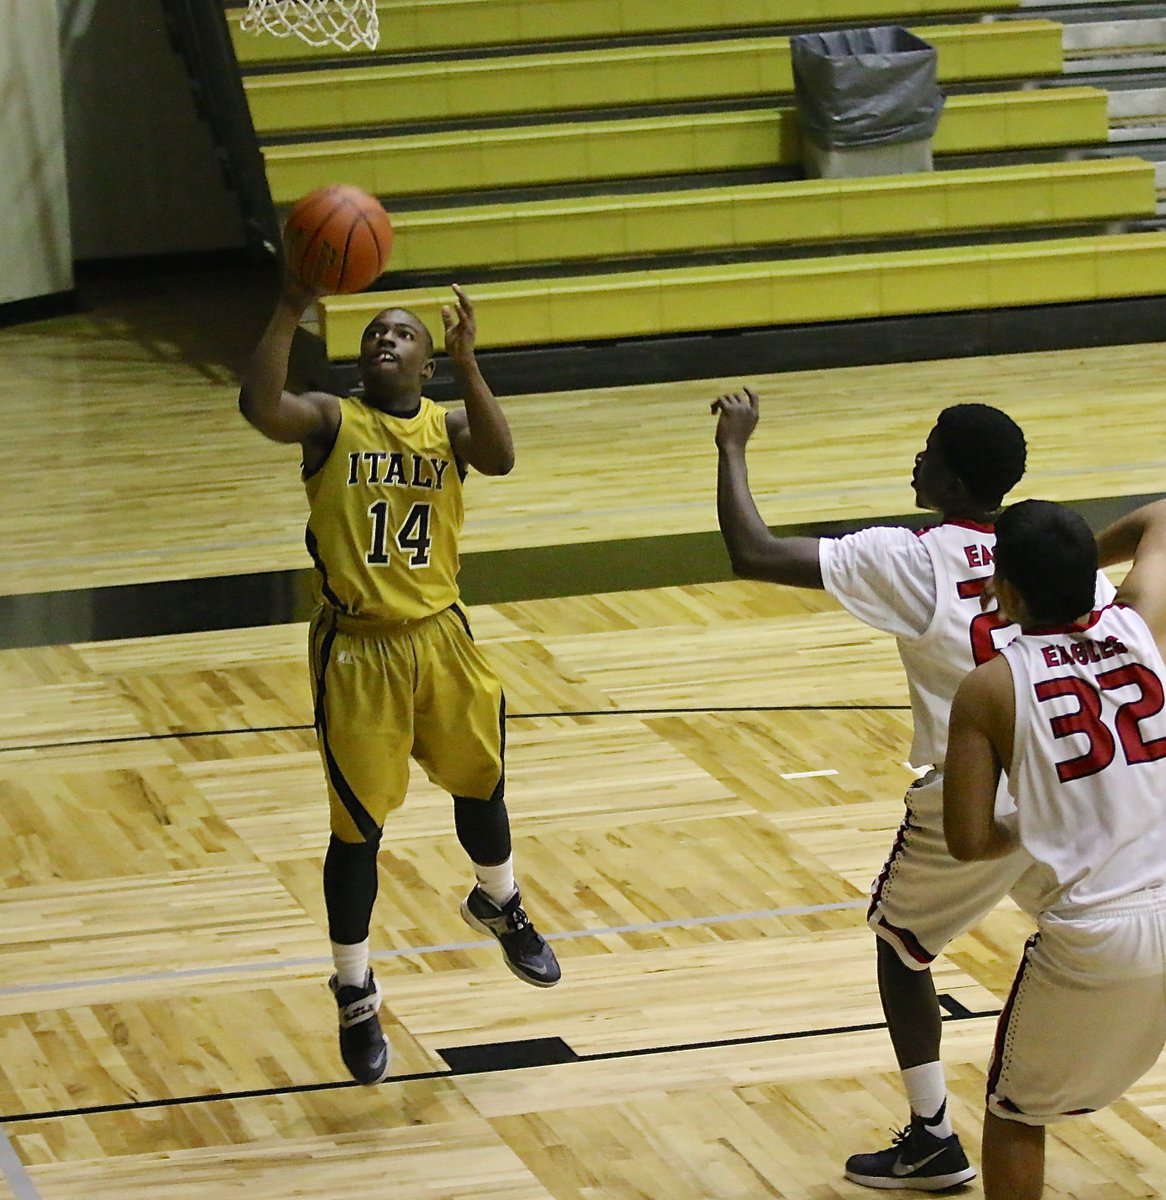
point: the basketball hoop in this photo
(342, 23)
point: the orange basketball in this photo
(337, 239)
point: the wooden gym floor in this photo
(703, 777)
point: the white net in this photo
(343, 23)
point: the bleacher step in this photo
(600, 150)
(383, 98)
(426, 26)
(782, 217)
(749, 295)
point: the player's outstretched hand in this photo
(461, 330)
(737, 417)
(296, 294)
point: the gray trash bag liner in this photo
(865, 87)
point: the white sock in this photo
(351, 963)
(497, 882)
(927, 1095)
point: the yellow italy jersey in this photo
(386, 511)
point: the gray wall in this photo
(34, 213)
(143, 177)
(102, 152)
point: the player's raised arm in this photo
(310, 418)
(1140, 536)
(753, 551)
(1117, 542)
(479, 433)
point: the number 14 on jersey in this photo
(412, 538)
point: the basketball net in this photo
(343, 23)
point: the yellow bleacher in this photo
(465, 160)
(362, 96)
(772, 214)
(416, 26)
(553, 158)
(747, 295)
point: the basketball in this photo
(337, 239)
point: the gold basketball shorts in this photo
(424, 691)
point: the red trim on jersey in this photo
(975, 526)
(978, 526)
(1075, 627)
(996, 1065)
(904, 937)
(908, 941)
(896, 849)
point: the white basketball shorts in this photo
(923, 898)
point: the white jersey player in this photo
(1073, 713)
(925, 589)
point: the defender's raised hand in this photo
(737, 415)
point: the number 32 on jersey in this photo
(1143, 700)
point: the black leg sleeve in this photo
(483, 828)
(350, 889)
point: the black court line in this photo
(951, 1005)
(496, 1056)
(182, 735)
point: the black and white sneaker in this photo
(363, 1046)
(523, 947)
(916, 1158)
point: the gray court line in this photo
(13, 1170)
(285, 964)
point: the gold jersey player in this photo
(395, 671)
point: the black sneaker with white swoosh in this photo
(524, 949)
(916, 1159)
(363, 1047)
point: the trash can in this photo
(867, 100)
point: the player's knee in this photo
(341, 849)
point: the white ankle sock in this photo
(351, 963)
(927, 1095)
(497, 882)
